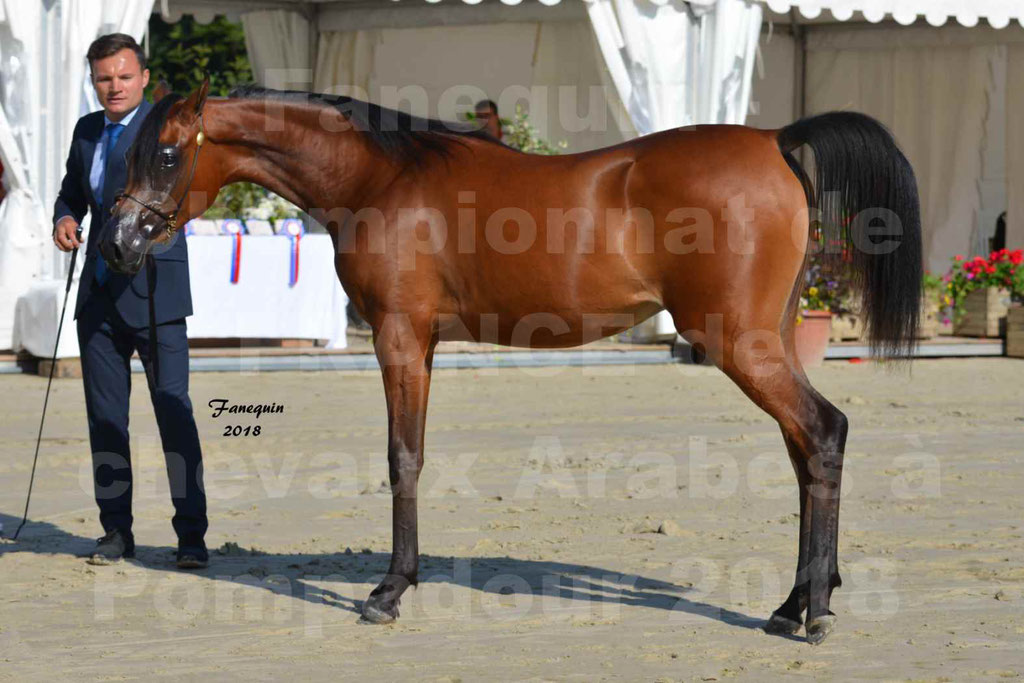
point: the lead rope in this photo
(154, 357)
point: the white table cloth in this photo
(260, 305)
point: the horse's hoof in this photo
(372, 614)
(780, 625)
(819, 628)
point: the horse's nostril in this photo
(117, 252)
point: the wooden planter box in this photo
(929, 325)
(985, 314)
(1015, 332)
(846, 327)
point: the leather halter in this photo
(172, 218)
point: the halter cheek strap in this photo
(172, 218)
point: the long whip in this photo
(53, 364)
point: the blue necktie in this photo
(113, 132)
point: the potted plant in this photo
(981, 289)
(825, 290)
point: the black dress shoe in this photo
(192, 555)
(113, 547)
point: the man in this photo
(486, 111)
(113, 315)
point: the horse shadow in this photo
(309, 576)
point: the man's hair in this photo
(111, 44)
(487, 104)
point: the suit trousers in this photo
(106, 343)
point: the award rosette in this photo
(233, 227)
(293, 229)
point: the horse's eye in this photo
(168, 158)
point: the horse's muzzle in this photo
(123, 258)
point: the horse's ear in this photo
(161, 91)
(204, 90)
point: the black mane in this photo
(402, 136)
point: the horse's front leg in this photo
(405, 354)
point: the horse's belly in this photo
(542, 328)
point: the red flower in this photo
(1016, 257)
(958, 257)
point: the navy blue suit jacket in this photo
(130, 294)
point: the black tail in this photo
(863, 181)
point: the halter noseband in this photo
(172, 218)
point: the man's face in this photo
(490, 120)
(119, 83)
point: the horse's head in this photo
(167, 182)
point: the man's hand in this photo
(64, 234)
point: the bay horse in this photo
(441, 232)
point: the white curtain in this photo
(280, 45)
(677, 64)
(548, 67)
(582, 107)
(1015, 146)
(934, 99)
(344, 62)
(21, 213)
(43, 92)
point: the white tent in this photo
(318, 45)
(635, 66)
(44, 89)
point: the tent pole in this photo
(799, 66)
(799, 71)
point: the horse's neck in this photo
(293, 152)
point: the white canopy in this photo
(998, 13)
(662, 63)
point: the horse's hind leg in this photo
(788, 618)
(815, 434)
(405, 353)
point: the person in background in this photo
(486, 111)
(998, 239)
(113, 316)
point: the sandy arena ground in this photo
(541, 501)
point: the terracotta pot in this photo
(811, 337)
